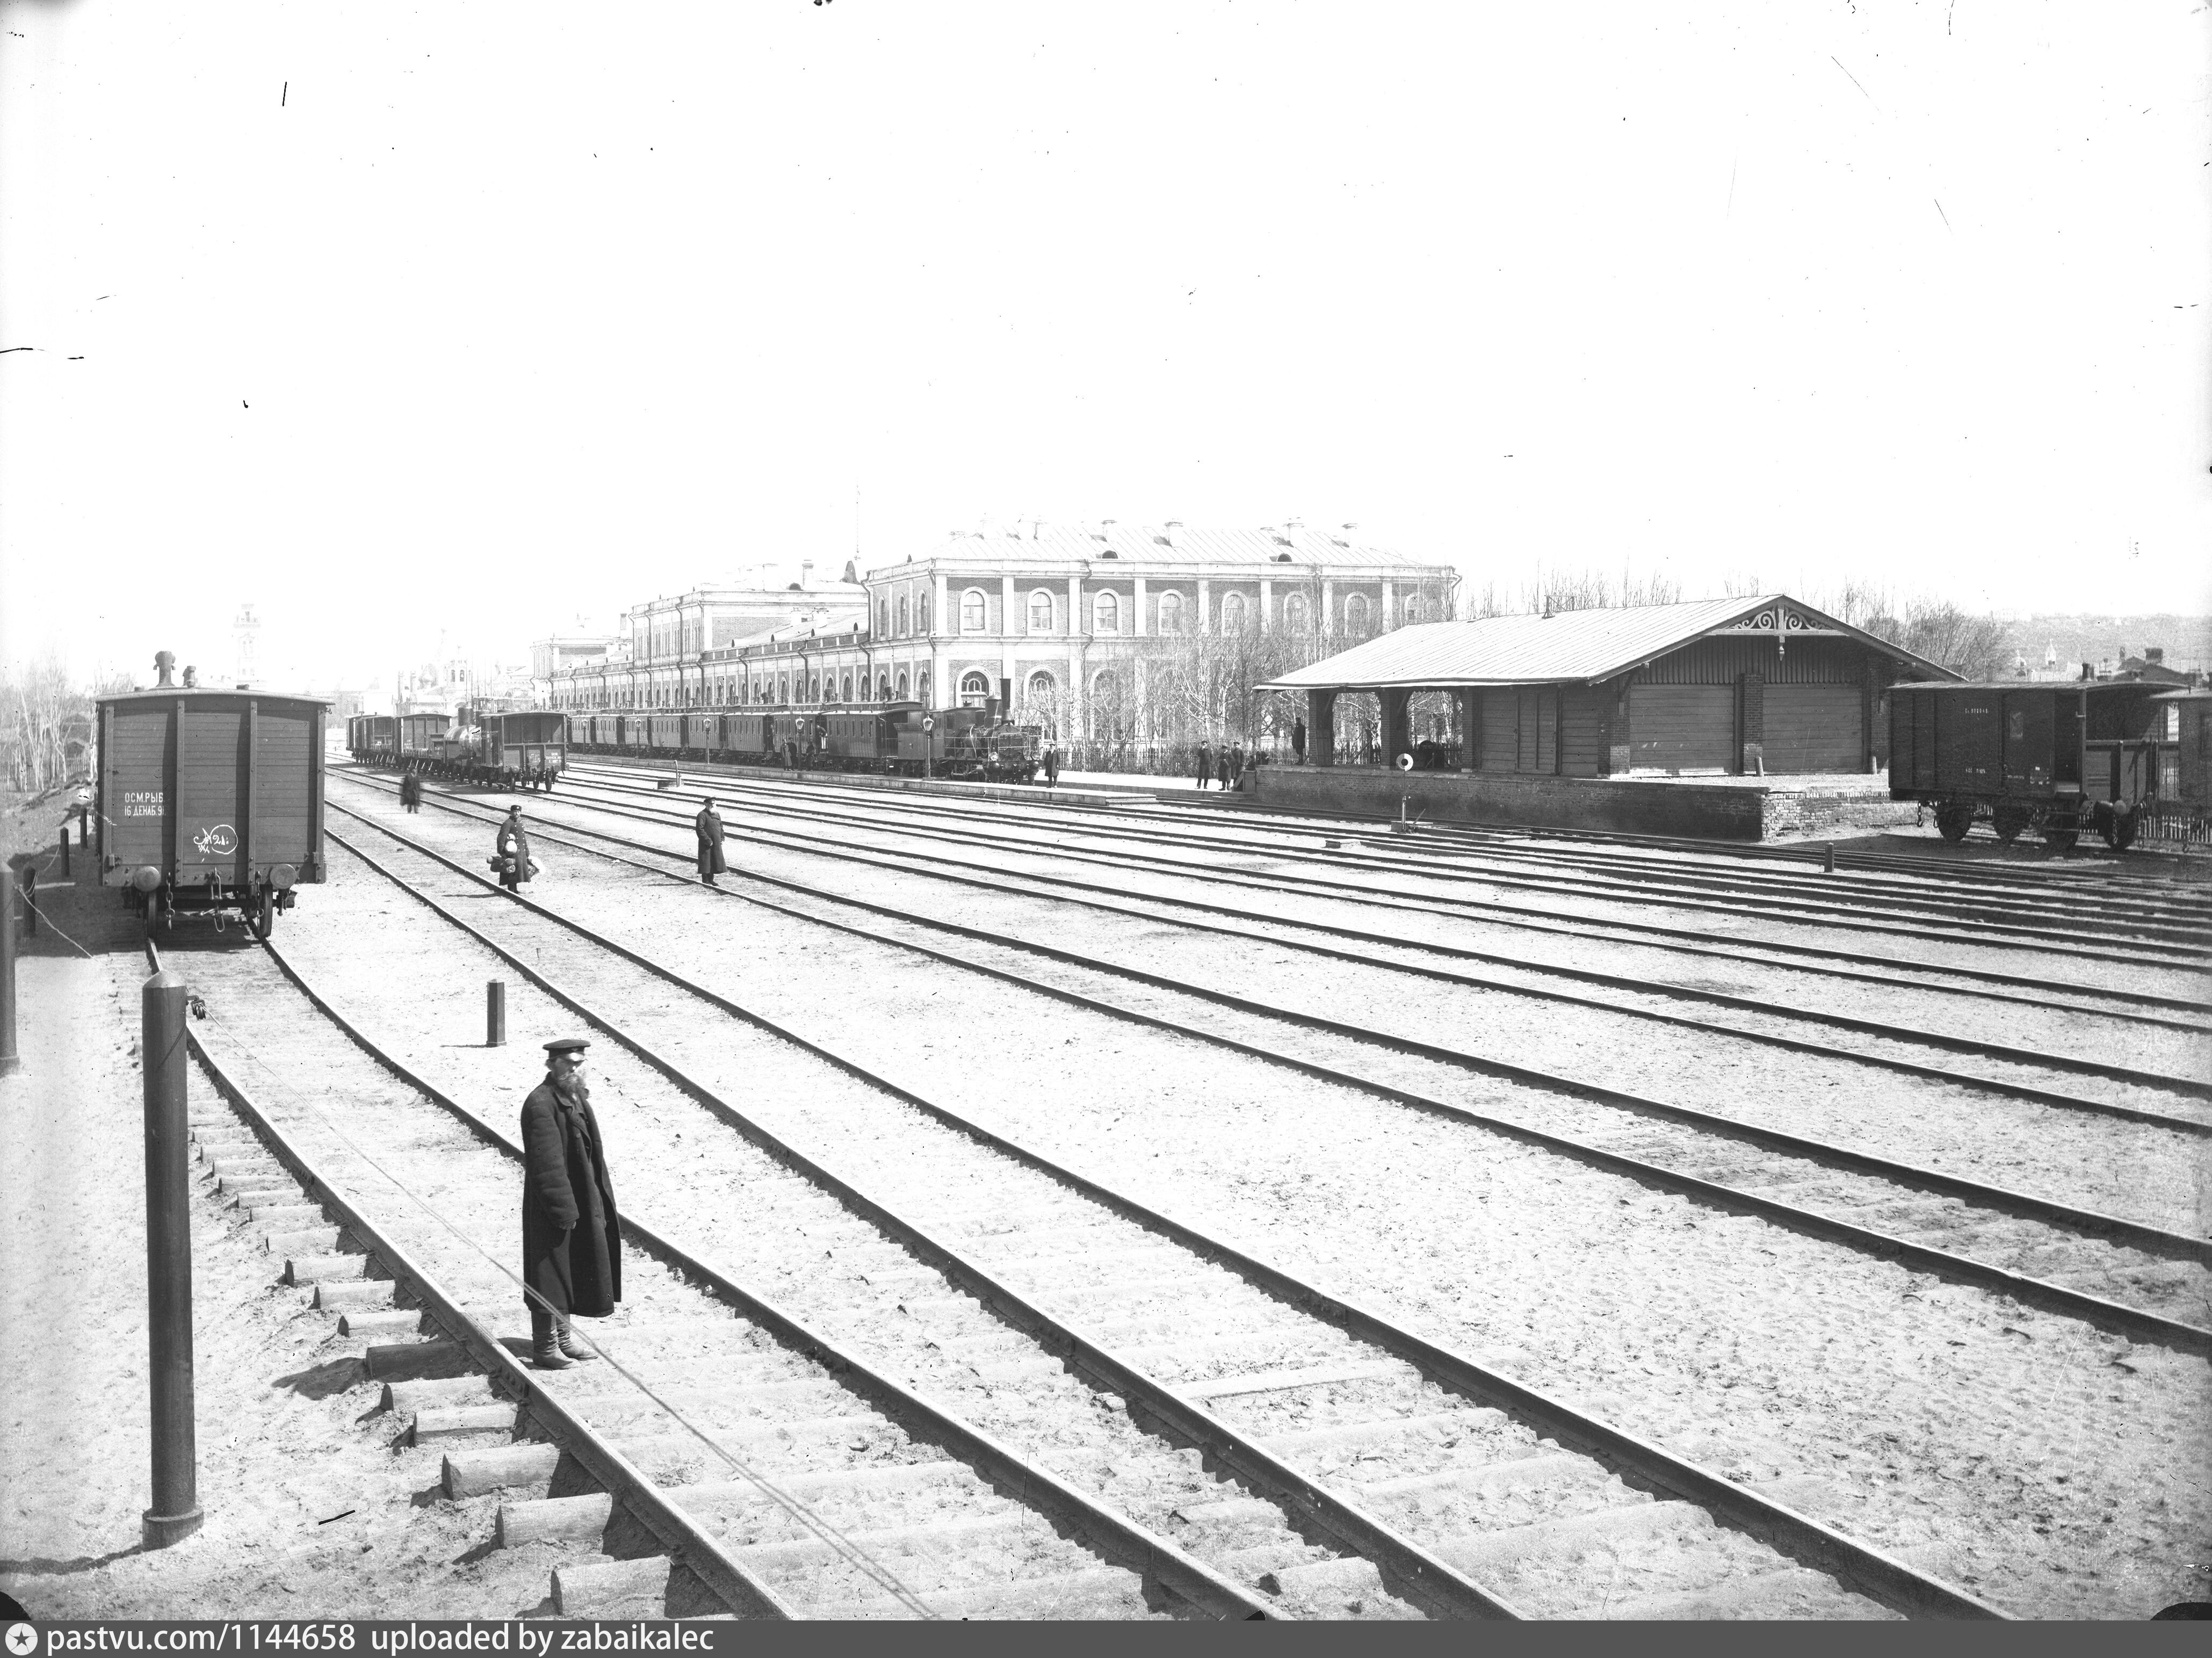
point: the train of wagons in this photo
(209, 800)
(489, 748)
(530, 750)
(902, 738)
(2057, 758)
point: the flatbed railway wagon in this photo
(2058, 758)
(210, 802)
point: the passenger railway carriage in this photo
(880, 737)
(2058, 758)
(210, 802)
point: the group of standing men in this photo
(1224, 765)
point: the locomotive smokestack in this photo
(163, 662)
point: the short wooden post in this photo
(176, 1511)
(65, 852)
(9, 1065)
(494, 1013)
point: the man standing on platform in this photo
(1051, 766)
(1298, 741)
(1204, 765)
(410, 791)
(571, 1234)
(513, 850)
(708, 826)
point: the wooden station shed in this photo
(1762, 685)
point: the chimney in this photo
(2154, 654)
(1171, 533)
(805, 571)
(192, 676)
(163, 662)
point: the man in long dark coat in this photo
(1204, 765)
(513, 849)
(707, 825)
(571, 1234)
(1299, 742)
(1051, 767)
(410, 791)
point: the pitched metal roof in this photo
(1569, 646)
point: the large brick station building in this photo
(1069, 616)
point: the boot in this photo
(576, 1353)
(545, 1356)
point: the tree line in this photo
(46, 724)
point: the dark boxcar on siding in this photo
(211, 801)
(2058, 757)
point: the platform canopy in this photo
(1573, 646)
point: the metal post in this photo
(65, 855)
(30, 879)
(494, 1013)
(9, 1065)
(1829, 860)
(176, 1511)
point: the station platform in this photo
(1718, 808)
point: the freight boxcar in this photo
(421, 738)
(376, 739)
(2058, 757)
(210, 802)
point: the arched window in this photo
(1294, 613)
(883, 616)
(975, 611)
(1104, 686)
(814, 689)
(1171, 613)
(783, 688)
(975, 690)
(1040, 612)
(884, 687)
(901, 685)
(1412, 608)
(1233, 613)
(1106, 614)
(1355, 614)
(848, 684)
(902, 614)
(922, 613)
(921, 685)
(1042, 687)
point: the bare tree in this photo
(46, 724)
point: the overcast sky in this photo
(492, 317)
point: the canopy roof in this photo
(1571, 646)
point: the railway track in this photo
(1815, 904)
(2144, 1281)
(746, 1462)
(2014, 1072)
(2030, 988)
(1225, 1353)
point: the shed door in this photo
(1681, 727)
(1501, 741)
(1812, 728)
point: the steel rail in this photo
(1676, 940)
(1446, 905)
(1833, 914)
(1812, 1542)
(1442, 834)
(2074, 1304)
(1938, 868)
(2047, 1059)
(2023, 1205)
(683, 1538)
(2188, 1087)
(1137, 1547)
(1425, 1579)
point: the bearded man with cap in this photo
(571, 1234)
(708, 826)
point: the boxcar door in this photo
(2029, 732)
(135, 780)
(212, 760)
